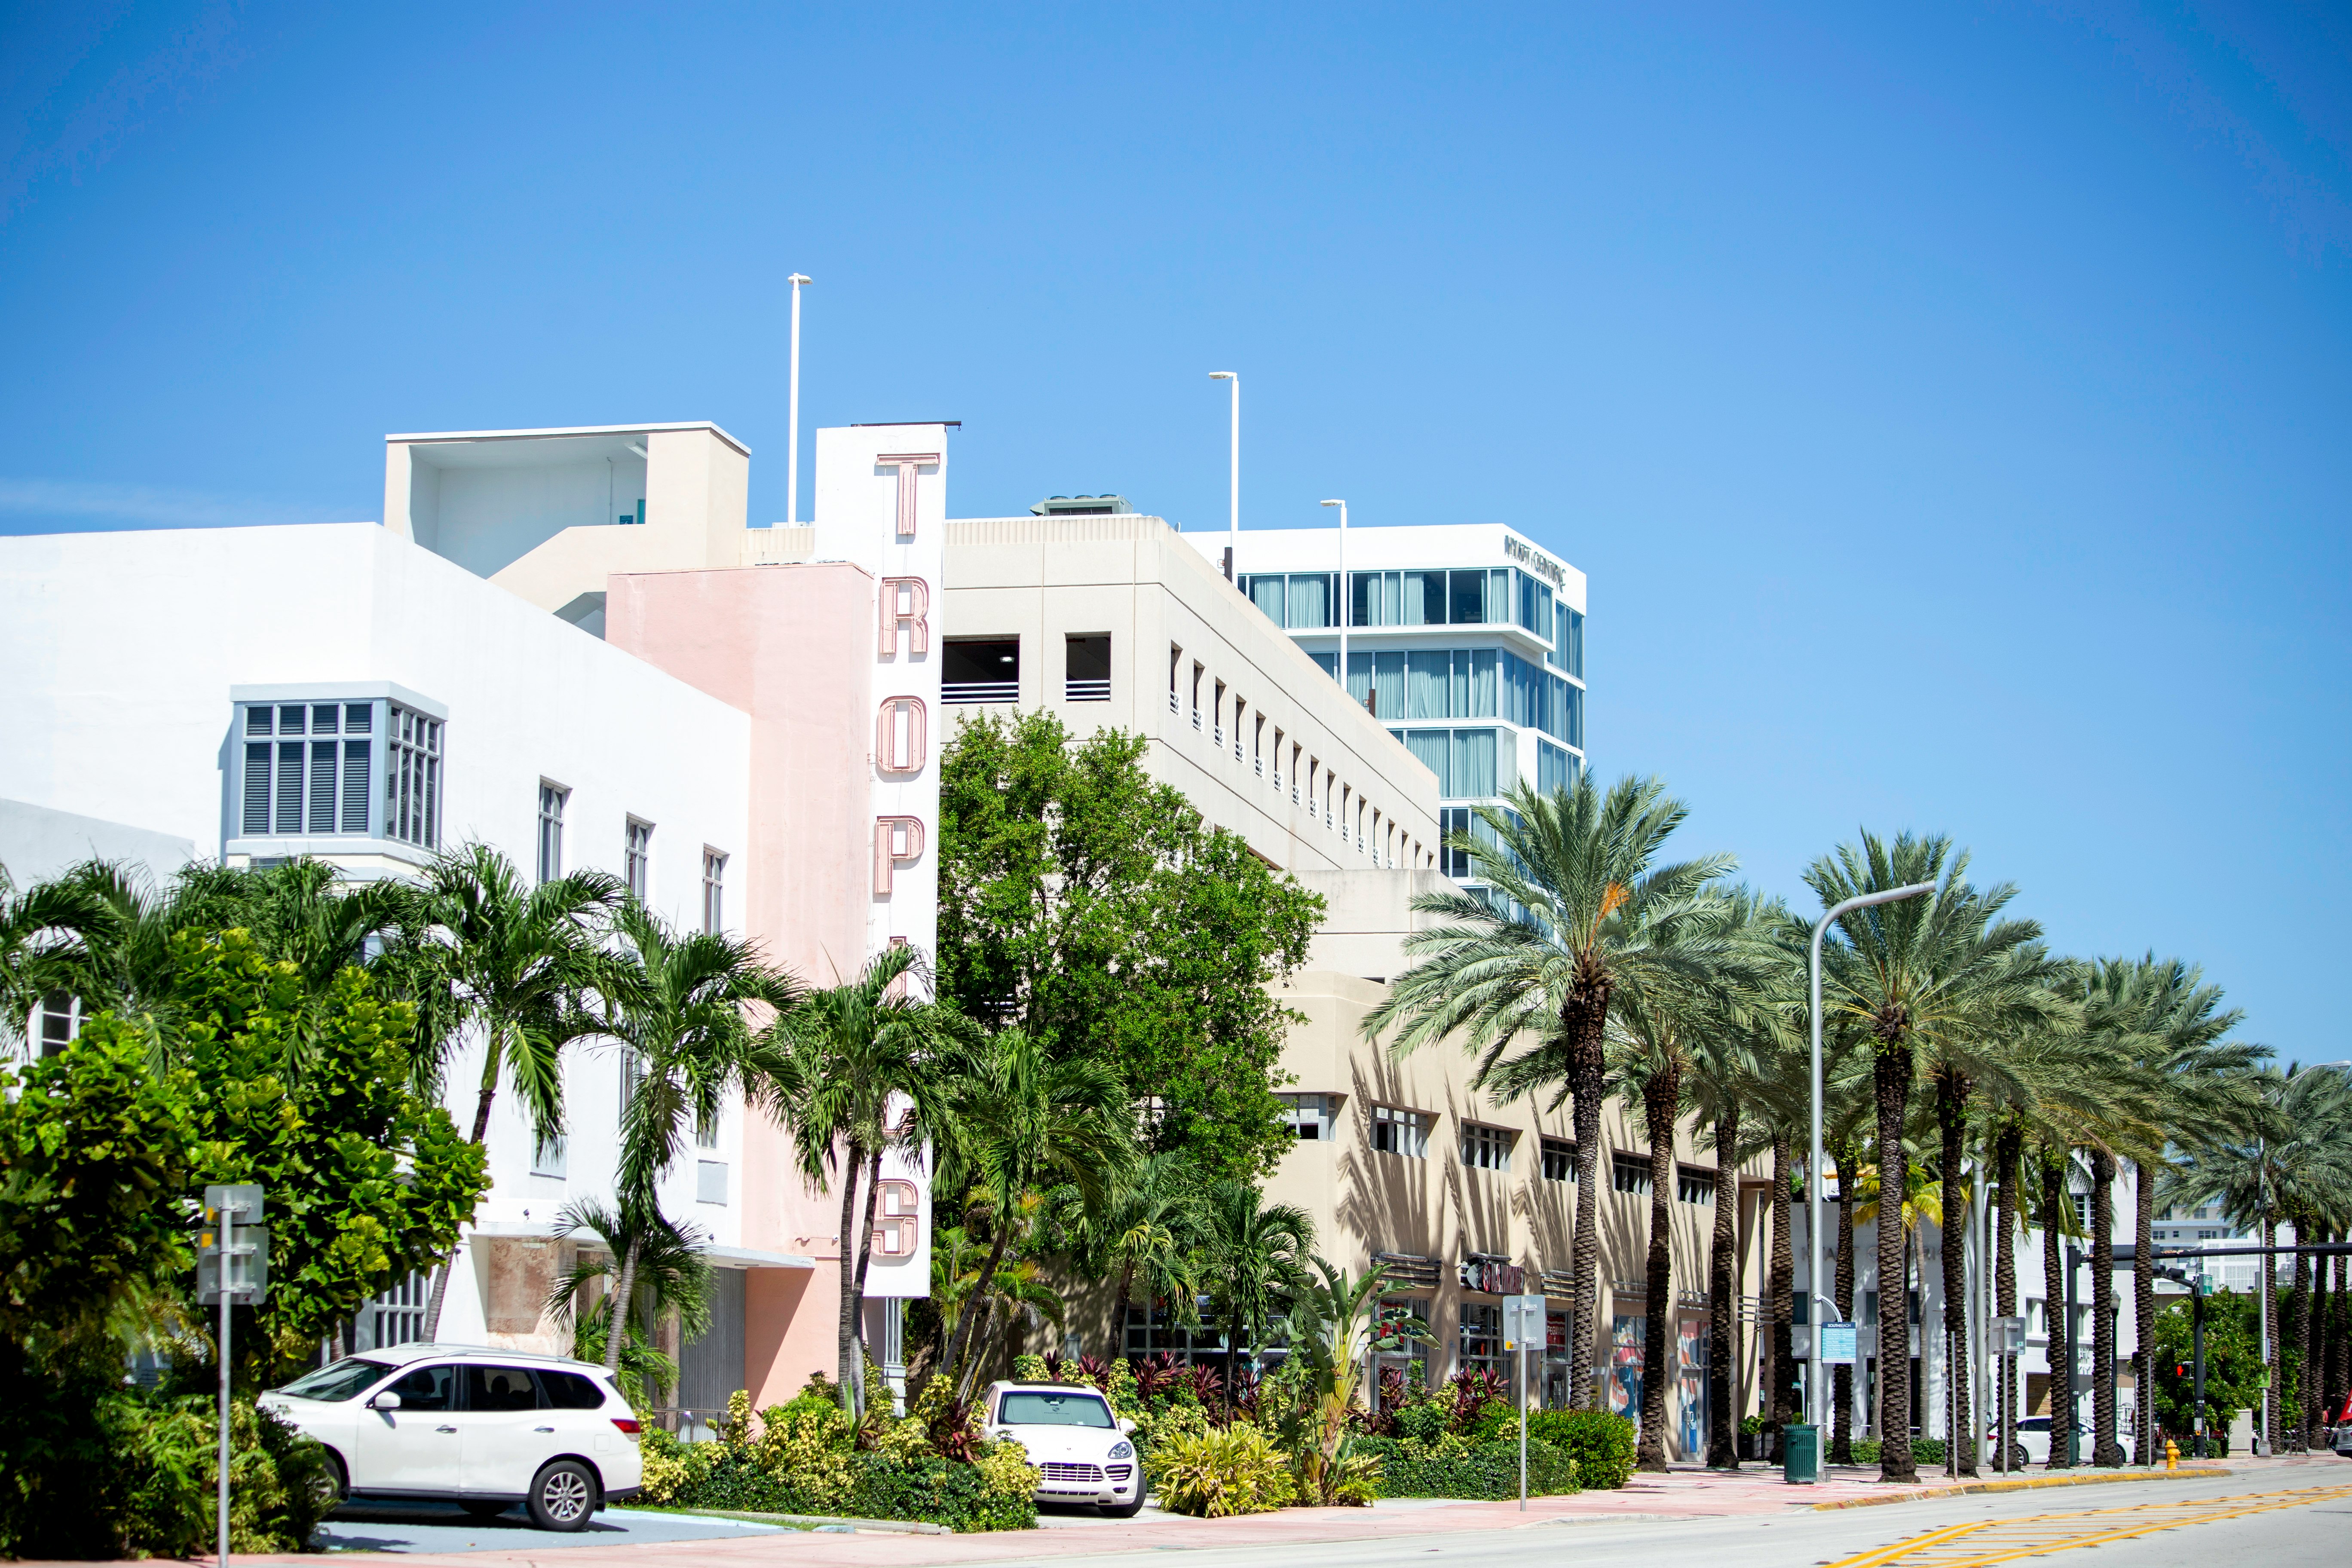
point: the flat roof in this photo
(558, 431)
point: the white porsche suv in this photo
(483, 1428)
(1082, 1452)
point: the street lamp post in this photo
(792, 452)
(1820, 1300)
(1233, 523)
(1342, 601)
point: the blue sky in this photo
(1950, 405)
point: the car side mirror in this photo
(387, 1400)
(1127, 1424)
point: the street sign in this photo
(1524, 1321)
(233, 1246)
(1837, 1344)
(2009, 1335)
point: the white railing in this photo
(1173, 706)
(980, 692)
(1075, 690)
(1196, 718)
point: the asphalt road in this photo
(2312, 1534)
(443, 1527)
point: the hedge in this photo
(1477, 1470)
(880, 1487)
(1601, 1444)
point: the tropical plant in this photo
(517, 962)
(1255, 1262)
(856, 1071)
(1575, 897)
(1022, 1121)
(666, 1271)
(1220, 1473)
(1912, 975)
(676, 1004)
(1331, 1324)
(45, 945)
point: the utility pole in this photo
(792, 451)
(2074, 1436)
(2197, 1318)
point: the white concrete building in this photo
(1465, 641)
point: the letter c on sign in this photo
(898, 840)
(898, 739)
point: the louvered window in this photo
(309, 767)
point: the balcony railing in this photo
(1075, 690)
(1174, 707)
(980, 692)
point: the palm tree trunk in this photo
(2053, 1311)
(984, 1299)
(616, 1324)
(489, 1093)
(2005, 1275)
(2270, 1306)
(2144, 1310)
(1891, 1082)
(1951, 1113)
(2105, 1450)
(864, 1257)
(853, 1165)
(1583, 1021)
(2299, 1335)
(1783, 1287)
(1660, 1098)
(1842, 1378)
(1723, 1310)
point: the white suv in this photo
(484, 1428)
(1081, 1451)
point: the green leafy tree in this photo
(1091, 908)
(1578, 896)
(314, 1096)
(2233, 1363)
(1255, 1260)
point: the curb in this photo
(1920, 1494)
(819, 1521)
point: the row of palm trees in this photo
(1959, 1050)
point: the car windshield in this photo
(344, 1380)
(1053, 1410)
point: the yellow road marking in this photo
(1985, 1542)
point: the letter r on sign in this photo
(898, 841)
(905, 602)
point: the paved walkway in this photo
(1682, 1493)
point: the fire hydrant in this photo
(2171, 1454)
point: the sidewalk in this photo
(1684, 1492)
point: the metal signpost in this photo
(232, 1269)
(1524, 1318)
(2009, 1335)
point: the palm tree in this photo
(1151, 1233)
(1912, 973)
(855, 1070)
(1575, 897)
(677, 1004)
(45, 945)
(1257, 1262)
(516, 963)
(1022, 1121)
(669, 1272)
(1662, 1027)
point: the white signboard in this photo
(1837, 1344)
(1523, 1321)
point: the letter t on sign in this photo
(906, 463)
(906, 602)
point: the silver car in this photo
(483, 1428)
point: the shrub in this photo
(1601, 1444)
(1456, 1468)
(1215, 1474)
(1924, 1451)
(1425, 1422)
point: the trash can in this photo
(1801, 1455)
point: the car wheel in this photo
(484, 1508)
(564, 1496)
(1123, 1509)
(332, 1485)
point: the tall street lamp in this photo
(792, 452)
(1343, 591)
(1234, 524)
(1818, 1300)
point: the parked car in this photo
(1081, 1450)
(2033, 1440)
(483, 1428)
